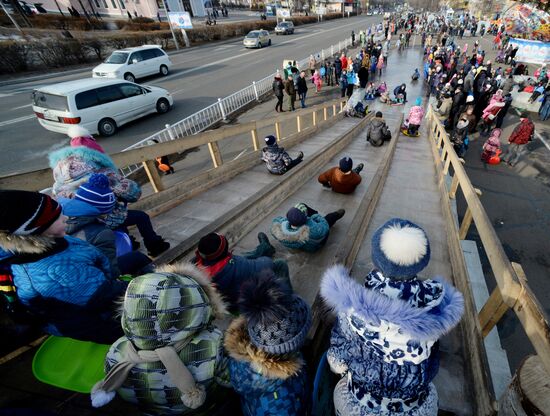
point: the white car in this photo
(133, 63)
(99, 105)
(257, 39)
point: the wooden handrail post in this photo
(454, 187)
(278, 131)
(466, 221)
(314, 114)
(444, 152)
(153, 175)
(446, 167)
(215, 154)
(491, 313)
(298, 124)
(255, 141)
(325, 113)
(341, 106)
(333, 110)
(465, 226)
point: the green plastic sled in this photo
(70, 364)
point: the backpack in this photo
(322, 71)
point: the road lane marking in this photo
(16, 120)
(21, 106)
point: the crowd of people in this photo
(474, 94)
(187, 335)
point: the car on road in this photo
(133, 63)
(99, 105)
(284, 28)
(257, 39)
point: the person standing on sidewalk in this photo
(311, 64)
(301, 88)
(291, 92)
(278, 88)
(522, 134)
(342, 179)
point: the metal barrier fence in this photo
(220, 110)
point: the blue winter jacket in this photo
(71, 290)
(83, 223)
(268, 385)
(309, 237)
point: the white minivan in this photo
(133, 63)
(99, 105)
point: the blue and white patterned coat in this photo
(309, 237)
(269, 385)
(385, 338)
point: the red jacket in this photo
(523, 132)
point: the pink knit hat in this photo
(82, 137)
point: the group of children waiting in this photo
(173, 349)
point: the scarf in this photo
(212, 269)
(193, 395)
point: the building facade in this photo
(122, 8)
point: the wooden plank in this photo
(153, 175)
(215, 154)
(476, 358)
(255, 142)
(491, 313)
(278, 131)
(156, 204)
(28, 181)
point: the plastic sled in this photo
(322, 401)
(123, 243)
(70, 364)
(406, 133)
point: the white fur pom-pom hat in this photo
(400, 249)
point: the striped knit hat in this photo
(97, 193)
(27, 213)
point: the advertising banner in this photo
(531, 51)
(283, 13)
(180, 20)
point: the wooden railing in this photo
(41, 179)
(512, 289)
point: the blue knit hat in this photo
(400, 249)
(346, 164)
(97, 193)
(270, 140)
(277, 320)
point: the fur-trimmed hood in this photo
(282, 231)
(238, 345)
(345, 295)
(219, 308)
(23, 244)
(89, 155)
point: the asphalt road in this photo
(198, 78)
